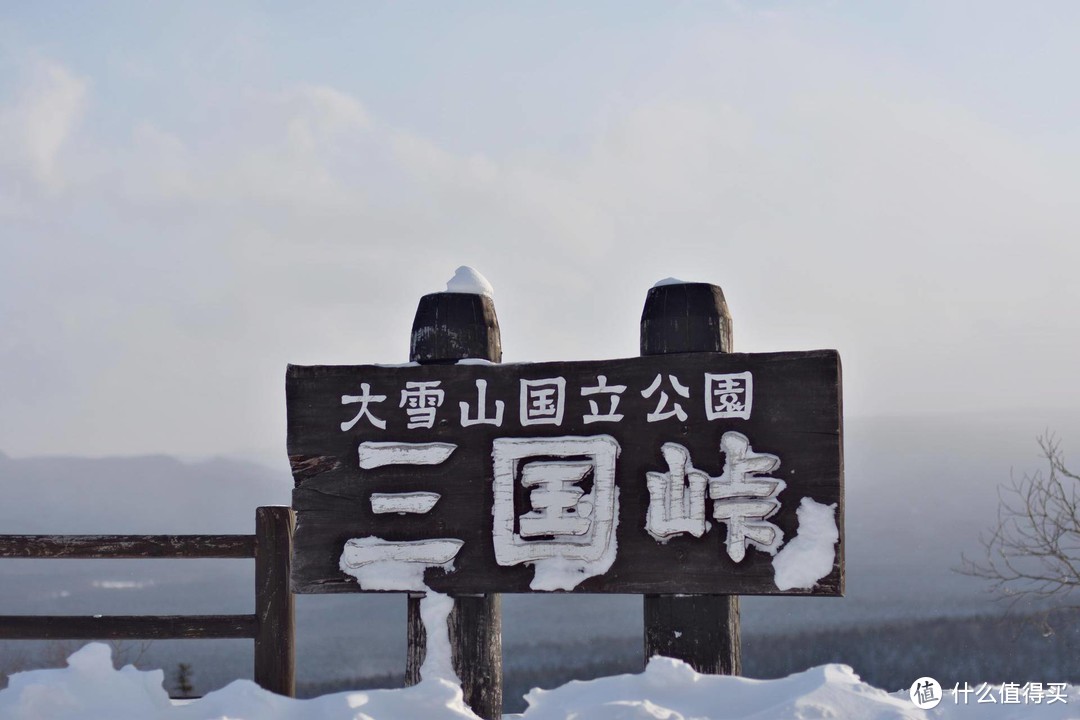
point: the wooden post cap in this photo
(685, 317)
(452, 326)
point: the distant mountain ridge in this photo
(919, 491)
(152, 494)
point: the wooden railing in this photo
(272, 626)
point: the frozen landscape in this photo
(199, 198)
(903, 553)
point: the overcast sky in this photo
(194, 194)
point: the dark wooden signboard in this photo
(662, 474)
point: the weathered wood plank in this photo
(415, 640)
(686, 317)
(475, 627)
(127, 546)
(796, 414)
(275, 611)
(119, 627)
(701, 630)
(482, 676)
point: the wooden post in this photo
(275, 638)
(702, 630)
(449, 327)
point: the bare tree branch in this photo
(1033, 551)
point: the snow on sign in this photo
(660, 474)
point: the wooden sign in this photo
(684, 473)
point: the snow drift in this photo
(90, 688)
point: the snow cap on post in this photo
(685, 317)
(457, 324)
(468, 280)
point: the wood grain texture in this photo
(701, 630)
(275, 611)
(127, 546)
(688, 317)
(472, 614)
(451, 326)
(119, 627)
(475, 627)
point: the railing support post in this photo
(275, 639)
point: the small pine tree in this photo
(184, 688)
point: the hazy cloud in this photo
(34, 128)
(840, 200)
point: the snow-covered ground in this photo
(90, 688)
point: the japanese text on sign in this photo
(590, 476)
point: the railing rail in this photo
(87, 547)
(272, 626)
